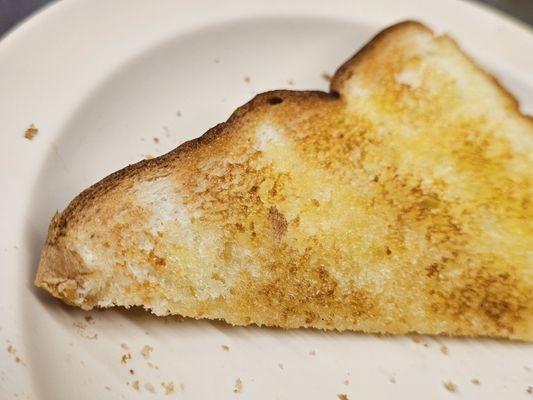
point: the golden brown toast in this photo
(398, 202)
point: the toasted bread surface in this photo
(398, 202)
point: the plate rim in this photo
(14, 47)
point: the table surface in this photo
(14, 11)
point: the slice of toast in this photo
(400, 201)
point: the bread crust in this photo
(261, 100)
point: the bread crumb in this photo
(107, 387)
(81, 327)
(169, 387)
(156, 139)
(529, 390)
(247, 79)
(415, 338)
(238, 386)
(290, 82)
(346, 382)
(124, 346)
(148, 157)
(151, 365)
(475, 381)
(450, 386)
(444, 350)
(136, 385)
(342, 396)
(89, 319)
(149, 387)
(225, 347)
(280, 365)
(125, 358)
(392, 379)
(178, 113)
(326, 77)
(31, 132)
(312, 353)
(132, 372)
(12, 350)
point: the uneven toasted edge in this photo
(53, 259)
(343, 74)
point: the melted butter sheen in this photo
(408, 208)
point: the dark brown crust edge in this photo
(60, 221)
(111, 181)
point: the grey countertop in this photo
(13, 11)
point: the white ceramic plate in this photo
(100, 79)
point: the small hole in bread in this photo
(274, 100)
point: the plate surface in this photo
(108, 83)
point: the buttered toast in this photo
(400, 201)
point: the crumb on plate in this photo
(31, 132)
(238, 386)
(125, 358)
(149, 387)
(415, 338)
(450, 386)
(168, 387)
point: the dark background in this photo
(13, 11)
